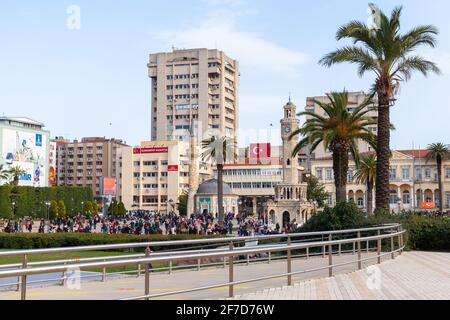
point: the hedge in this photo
(61, 240)
(422, 232)
(30, 201)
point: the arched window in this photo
(393, 197)
(406, 197)
(288, 162)
(360, 202)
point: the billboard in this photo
(108, 186)
(259, 151)
(28, 151)
(52, 165)
(150, 150)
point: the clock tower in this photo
(290, 202)
(289, 124)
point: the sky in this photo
(80, 66)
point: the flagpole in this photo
(414, 178)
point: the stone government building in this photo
(413, 181)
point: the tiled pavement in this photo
(412, 276)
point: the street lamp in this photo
(171, 202)
(14, 209)
(48, 204)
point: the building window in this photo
(406, 197)
(329, 174)
(393, 198)
(330, 199)
(418, 173)
(392, 174)
(319, 174)
(405, 174)
(427, 172)
(350, 176)
(360, 202)
(447, 173)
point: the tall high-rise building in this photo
(83, 163)
(195, 85)
(354, 100)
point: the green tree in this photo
(339, 131)
(94, 208)
(316, 191)
(4, 174)
(389, 55)
(15, 172)
(87, 210)
(439, 152)
(6, 211)
(221, 150)
(53, 209)
(121, 210)
(183, 203)
(62, 209)
(366, 172)
(113, 208)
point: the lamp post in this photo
(14, 208)
(172, 206)
(48, 204)
(82, 208)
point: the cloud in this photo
(251, 49)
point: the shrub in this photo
(345, 215)
(61, 240)
(422, 232)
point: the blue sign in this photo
(38, 140)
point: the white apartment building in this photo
(193, 85)
(155, 174)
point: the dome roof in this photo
(210, 187)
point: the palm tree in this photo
(221, 150)
(439, 152)
(366, 172)
(15, 172)
(339, 131)
(387, 53)
(4, 173)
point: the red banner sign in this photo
(259, 151)
(427, 205)
(172, 168)
(150, 150)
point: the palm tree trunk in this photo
(383, 150)
(220, 193)
(441, 192)
(369, 198)
(340, 167)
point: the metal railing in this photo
(229, 254)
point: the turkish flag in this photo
(259, 151)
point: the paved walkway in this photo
(412, 276)
(182, 280)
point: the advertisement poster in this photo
(108, 186)
(52, 165)
(26, 150)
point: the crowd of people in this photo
(140, 222)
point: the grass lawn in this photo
(75, 255)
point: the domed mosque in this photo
(206, 197)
